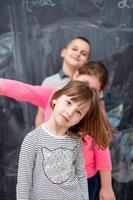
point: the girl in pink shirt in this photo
(97, 160)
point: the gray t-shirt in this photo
(56, 80)
(51, 167)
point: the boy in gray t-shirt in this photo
(75, 55)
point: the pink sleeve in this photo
(102, 159)
(37, 95)
(96, 159)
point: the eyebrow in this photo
(74, 45)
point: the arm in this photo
(39, 117)
(106, 191)
(37, 95)
(26, 166)
(103, 164)
(80, 172)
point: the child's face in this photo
(92, 80)
(76, 54)
(67, 113)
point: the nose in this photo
(69, 113)
(78, 53)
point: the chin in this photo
(75, 67)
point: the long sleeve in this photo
(80, 172)
(26, 166)
(37, 95)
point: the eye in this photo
(74, 49)
(79, 112)
(84, 54)
(68, 102)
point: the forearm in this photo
(24, 92)
(18, 90)
(106, 191)
(106, 178)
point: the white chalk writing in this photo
(30, 4)
(125, 4)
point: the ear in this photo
(75, 75)
(63, 51)
(53, 103)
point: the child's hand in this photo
(106, 194)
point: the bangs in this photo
(78, 91)
(80, 96)
(82, 100)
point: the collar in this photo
(62, 74)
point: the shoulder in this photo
(50, 79)
(53, 76)
(56, 81)
(33, 135)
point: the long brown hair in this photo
(95, 122)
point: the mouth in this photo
(65, 118)
(75, 58)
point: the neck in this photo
(68, 71)
(54, 128)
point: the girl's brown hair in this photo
(95, 121)
(98, 69)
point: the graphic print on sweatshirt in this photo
(58, 164)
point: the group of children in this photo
(72, 128)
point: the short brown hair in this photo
(98, 69)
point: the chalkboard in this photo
(32, 34)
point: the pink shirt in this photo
(95, 160)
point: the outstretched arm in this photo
(37, 95)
